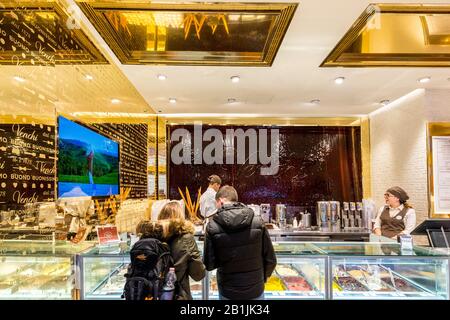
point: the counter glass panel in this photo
(38, 269)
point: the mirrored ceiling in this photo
(191, 33)
(387, 35)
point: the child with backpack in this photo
(151, 263)
(163, 245)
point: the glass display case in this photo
(299, 274)
(385, 271)
(38, 269)
(102, 273)
(305, 270)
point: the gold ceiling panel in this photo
(389, 35)
(43, 33)
(70, 89)
(232, 34)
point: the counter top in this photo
(319, 232)
(322, 234)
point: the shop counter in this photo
(305, 270)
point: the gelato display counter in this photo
(305, 270)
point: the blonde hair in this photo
(408, 205)
(170, 211)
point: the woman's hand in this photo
(377, 231)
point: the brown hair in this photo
(214, 179)
(149, 229)
(400, 194)
(227, 192)
(171, 210)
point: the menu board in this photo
(27, 163)
(441, 174)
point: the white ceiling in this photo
(294, 78)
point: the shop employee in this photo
(208, 198)
(397, 216)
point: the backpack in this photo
(150, 262)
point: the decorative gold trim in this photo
(162, 151)
(277, 32)
(434, 129)
(385, 60)
(267, 121)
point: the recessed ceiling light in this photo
(235, 79)
(315, 101)
(172, 100)
(20, 79)
(424, 79)
(89, 77)
(115, 101)
(159, 111)
(231, 100)
(384, 102)
(162, 77)
(339, 80)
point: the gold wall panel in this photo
(43, 33)
(244, 34)
(152, 170)
(366, 158)
(162, 159)
(434, 129)
(387, 35)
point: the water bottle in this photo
(169, 285)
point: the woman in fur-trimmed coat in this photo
(179, 234)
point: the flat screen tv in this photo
(88, 162)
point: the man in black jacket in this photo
(238, 245)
